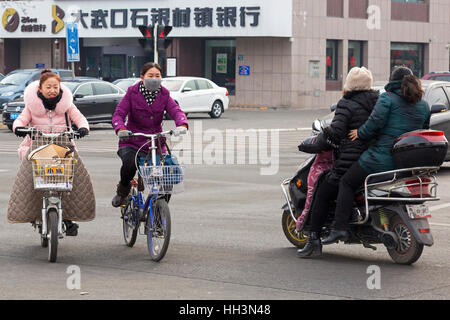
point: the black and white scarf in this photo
(149, 96)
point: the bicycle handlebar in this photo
(35, 131)
(125, 134)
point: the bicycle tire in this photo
(52, 226)
(130, 231)
(158, 230)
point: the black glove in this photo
(315, 144)
(20, 133)
(82, 132)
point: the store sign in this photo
(244, 70)
(213, 18)
(72, 43)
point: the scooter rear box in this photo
(420, 148)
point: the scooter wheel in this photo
(408, 249)
(298, 239)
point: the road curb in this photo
(250, 107)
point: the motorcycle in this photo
(389, 209)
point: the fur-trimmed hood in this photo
(36, 105)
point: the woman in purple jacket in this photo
(144, 105)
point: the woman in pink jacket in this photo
(47, 102)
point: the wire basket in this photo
(163, 179)
(53, 174)
(46, 134)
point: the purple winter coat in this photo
(144, 118)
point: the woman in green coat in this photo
(398, 110)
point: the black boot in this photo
(121, 195)
(313, 247)
(71, 228)
(335, 236)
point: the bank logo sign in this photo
(31, 24)
(10, 20)
(110, 19)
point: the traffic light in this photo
(162, 41)
(147, 43)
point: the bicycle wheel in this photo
(130, 221)
(158, 230)
(52, 231)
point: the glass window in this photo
(65, 74)
(172, 85)
(113, 67)
(355, 54)
(85, 90)
(335, 8)
(16, 78)
(332, 59)
(125, 84)
(411, 1)
(441, 78)
(103, 88)
(202, 85)
(135, 64)
(220, 63)
(191, 84)
(438, 96)
(409, 55)
(37, 76)
(70, 85)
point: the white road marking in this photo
(440, 206)
(440, 224)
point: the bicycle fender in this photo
(415, 225)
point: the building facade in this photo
(267, 53)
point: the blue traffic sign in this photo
(244, 70)
(72, 43)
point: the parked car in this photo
(198, 95)
(125, 83)
(437, 95)
(96, 99)
(15, 82)
(440, 76)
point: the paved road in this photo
(227, 240)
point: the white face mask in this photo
(152, 84)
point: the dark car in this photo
(437, 95)
(439, 76)
(15, 82)
(96, 100)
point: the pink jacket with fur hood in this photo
(35, 113)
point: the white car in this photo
(198, 95)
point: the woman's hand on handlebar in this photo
(124, 134)
(82, 132)
(21, 131)
(179, 131)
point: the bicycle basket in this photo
(53, 174)
(166, 179)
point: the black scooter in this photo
(390, 208)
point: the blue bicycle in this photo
(160, 181)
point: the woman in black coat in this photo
(352, 111)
